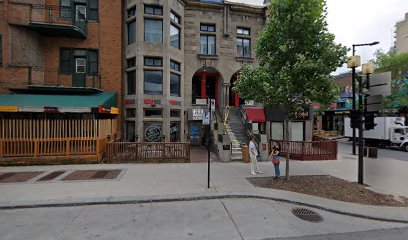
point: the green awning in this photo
(24, 102)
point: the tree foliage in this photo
(296, 54)
(397, 64)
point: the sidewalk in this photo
(140, 183)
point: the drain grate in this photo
(307, 215)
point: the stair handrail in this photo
(226, 119)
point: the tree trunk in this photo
(287, 144)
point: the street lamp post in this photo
(354, 87)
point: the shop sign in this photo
(196, 114)
(8, 109)
(303, 115)
(51, 110)
(151, 101)
(114, 110)
(104, 109)
(174, 102)
(153, 133)
(201, 101)
(129, 101)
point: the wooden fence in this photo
(308, 150)
(144, 152)
(54, 137)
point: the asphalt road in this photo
(224, 219)
(382, 152)
(392, 234)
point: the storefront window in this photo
(130, 131)
(152, 132)
(174, 132)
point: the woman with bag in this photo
(274, 157)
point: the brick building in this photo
(61, 59)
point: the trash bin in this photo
(245, 154)
(372, 152)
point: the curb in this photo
(184, 198)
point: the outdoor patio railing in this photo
(132, 152)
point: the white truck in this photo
(389, 132)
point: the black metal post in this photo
(208, 145)
(360, 134)
(353, 91)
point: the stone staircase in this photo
(237, 134)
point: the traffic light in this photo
(354, 119)
(369, 122)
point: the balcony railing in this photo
(52, 20)
(55, 78)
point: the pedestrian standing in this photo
(254, 153)
(275, 158)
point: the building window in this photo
(68, 60)
(93, 10)
(130, 131)
(90, 6)
(153, 82)
(244, 47)
(131, 82)
(153, 10)
(207, 44)
(158, 113)
(153, 30)
(130, 112)
(207, 27)
(175, 132)
(175, 17)
(65, 9)
(153, 62)
(65, 58)
(243, 31)
(93, 62)
(174, 85)
(174, 36)
(131, 63)
(131, 31)
(175, 113)
(152, 132)
(131, 12)
(174, 65)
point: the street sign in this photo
(206, 119)
(374, 103)
(380, 84)
(212, 105)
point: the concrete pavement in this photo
(205, 219)
(173, 182)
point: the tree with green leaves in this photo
(296, 54)
(397, 64)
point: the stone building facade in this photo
(178, 53)
(401, 35)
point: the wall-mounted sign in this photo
(130, 101)
(201, 101)
(114, 110)
(104, 109)
(152, 101)
(196, 114)
(174, 102)
(153, 133)
(8, 109)
(51, 110)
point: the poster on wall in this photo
(152, 132)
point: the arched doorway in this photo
(205, 85)
(234, 99)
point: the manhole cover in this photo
(307, 215)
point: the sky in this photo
(361, 21)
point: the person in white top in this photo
(253, 153)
